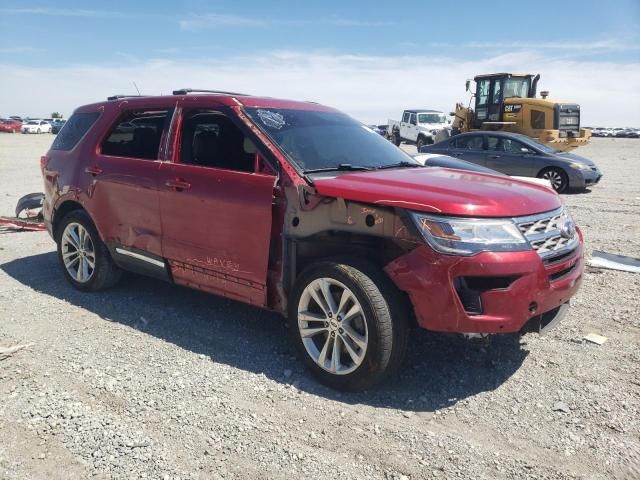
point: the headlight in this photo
(580, 166)
(468, 236)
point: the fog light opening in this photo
(533, 307)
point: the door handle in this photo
(494, 156)
(178, 184)
(93, 170)
(458, 154)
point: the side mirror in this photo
(467, 85)
(452, 114)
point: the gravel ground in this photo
(149, 380)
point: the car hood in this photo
(572, 157)
(441, 190)
(432, 126)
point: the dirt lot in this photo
(153, 381)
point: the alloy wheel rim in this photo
(332, 326)
(78, 252)
(554, 178)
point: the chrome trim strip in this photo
(538, 216)
(139, 256)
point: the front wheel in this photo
(396, 139)
(557, 177)
(349, 324)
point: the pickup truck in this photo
(354, 242)
(417, 126)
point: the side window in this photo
(497, 92)
(210, 139)
(405, 117)
(73, 130)
(471, 142)
(137, 134)
(412, 119)
(493, 143)
(514, 147)
(483, 92)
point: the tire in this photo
(396, 139)
(421, 141)
(376, 334)
(558, 178)
(104, 273)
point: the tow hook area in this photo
(547, 321)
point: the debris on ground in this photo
(6, 352)
(9, 223)
(615, 262)
(561, 407)
(595, 338)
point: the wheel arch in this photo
(62, 211)
(330, 246)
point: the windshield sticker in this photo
(272, 119)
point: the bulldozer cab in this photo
(492, 90)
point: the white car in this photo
(36, 126)
(417, 126)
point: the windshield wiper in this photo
(403, 164)
(346, 167)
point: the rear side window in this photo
(472, 142)
(137, 135)
(75, 128)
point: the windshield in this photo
(315, 140)
(431, 118)
(33, 123)
(516, 87)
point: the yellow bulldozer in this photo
(507, 102)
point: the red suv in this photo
(298, 208)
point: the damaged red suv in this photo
(298, 208)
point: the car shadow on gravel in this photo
(440, 370)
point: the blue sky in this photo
(358, 49)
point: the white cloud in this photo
(62, 12)
(598, 45)
(6, 50)
(370, 88)
(218, 20)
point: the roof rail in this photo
(185, 91)
(118, 97)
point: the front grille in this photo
(551, 234)
(558, 275)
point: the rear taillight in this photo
(43, 161)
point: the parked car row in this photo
(16, 124)
(616, 132)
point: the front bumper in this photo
(508, 289)
(584, 178)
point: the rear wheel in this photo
(557, 177)
(396, 139)
(84, 258)
(348, 323)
